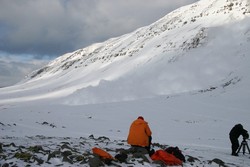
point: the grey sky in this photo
(53, 27)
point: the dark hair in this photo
(140, 117)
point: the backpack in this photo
(167, 158)
(176, 152)
(103, 154)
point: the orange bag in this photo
(103, 154)
(168, 159)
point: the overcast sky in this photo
(45, 29)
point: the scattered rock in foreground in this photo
(65, 151)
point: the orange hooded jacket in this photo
(139, 133)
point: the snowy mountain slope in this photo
(155, 59)
(187, 74)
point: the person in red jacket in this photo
(140, 134)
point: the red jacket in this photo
(139, 133)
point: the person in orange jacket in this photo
(140, 134)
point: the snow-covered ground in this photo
(198, 123)
(186, 74)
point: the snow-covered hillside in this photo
(192, 48)
(187, 74)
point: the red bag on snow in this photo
(103, 154)
(168, 159)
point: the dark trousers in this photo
(235, 144)
(147, 147)
(149, 141)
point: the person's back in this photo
(238, 130)
(139, 133)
